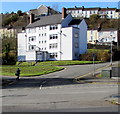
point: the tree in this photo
(8, 44)
(94, 18)
(19, 12)
(14, 17)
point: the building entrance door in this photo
(39, 56)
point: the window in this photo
(76, 54)
(32, 30)
(53, 27)
(32, 38)
(91, 32)
(91, 38)
(76, 35)
(53, 55)
(76, 45)
(45, 41)
(100, 33)
(32, 47)
(111, 32)
(53, 36)
(51, 46)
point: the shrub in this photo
(11, 59)
(103, 56)
(100, 55)
(86, 57)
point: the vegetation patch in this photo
(64, 63)
(98, 54)
(32, 69)
(29, 70)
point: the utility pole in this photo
(111, 52)
(94, 63)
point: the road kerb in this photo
(77, 79)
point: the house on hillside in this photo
(111, 13)
(54, 37)
(43, 11)
(9, 32)
(104, 36)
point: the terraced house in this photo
(103, 36)
(54, 37)
(111, 13)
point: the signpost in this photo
(94, 55)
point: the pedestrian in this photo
(17, 74)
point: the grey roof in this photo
(46, 20)
(75, 22)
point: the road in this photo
(58, 92)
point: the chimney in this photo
(82, 7)
(31, 18)
(63, 13)
(75, 6)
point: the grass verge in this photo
(27, 68)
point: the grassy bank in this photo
(27, 68)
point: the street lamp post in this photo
(94, 63)
(111, 52)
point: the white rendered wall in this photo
(21, 44)
(106, 36)
(66, 43)
(30, 56)
(92, 36)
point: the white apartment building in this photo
(104, 36)
(112, 13)
(54, 37)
